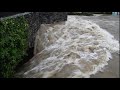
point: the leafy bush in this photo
(13, 44)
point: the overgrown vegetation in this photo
(13, 44)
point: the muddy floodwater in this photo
(77, 48)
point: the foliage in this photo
(13, 44)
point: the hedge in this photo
(13, 44)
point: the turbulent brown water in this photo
(75, 49)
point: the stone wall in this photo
(34, 24)
(35, 19)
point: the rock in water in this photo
(76, 49)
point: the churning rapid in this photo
(76, 49)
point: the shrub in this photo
(13, 44)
